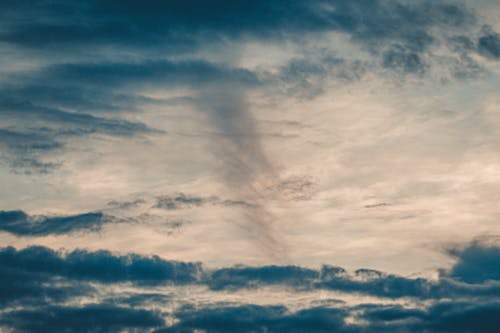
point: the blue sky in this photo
(264, 166)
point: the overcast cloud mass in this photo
(250, 166)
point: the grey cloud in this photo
(66, 96)
(71, 123)
(145, 23)
(400, 58)
(476, 263)
(23, 151)
(89, 318)
(398, 32)
(126, 204)
(35, 279)
(255, 318)
(21, 224)
(180, 201)
(104, 267)
(37, 132)
(445, 317)
(251, 277)
(185, 201)
(101, 266)
(474, 275)
(489, 43)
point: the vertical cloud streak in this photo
(244, 166)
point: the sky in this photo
(250, 166)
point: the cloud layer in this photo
(252, 143)
(42, 277)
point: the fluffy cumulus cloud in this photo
(249, 166)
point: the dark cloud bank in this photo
(36, 281)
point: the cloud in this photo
(75, 97)
(126, 22)
(185, 201)
(464, 317)
(139, 46)
(173, 73)
(104, 267)
(70, 123)
(443, 317)
(251, 277)
(489, 43)
(404, 59)
(23, 150)
(362, 282)
(19, 286)
(20, 224)
(180, 201)
(398, 33)
(101, 266)
(38, 281)
(37, 132)
(89, 318)
(476, 263)
(254, 318)
(476, 274)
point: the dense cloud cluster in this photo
(40, 277)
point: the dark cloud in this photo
(27, 279)
(140, 299)
(446, 317)
(23, 151)
(185, 201)
(89, 318)
(38, 281)
(377, 205)
(20, 286)
(130, 23)
(37, 132)
(476, 263)
(489, 43)
(126, 204)
(64, 122)
(305, 77)
(390, 313)
(363, 281)
(111, 86)
(21, 224)
(404, 59)
(251, 277)
(116, 74)
(93, 61)
(179, 201)
(66, 105)
(463, 317)
(254, 318)
(104, 267)
(100, 266)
